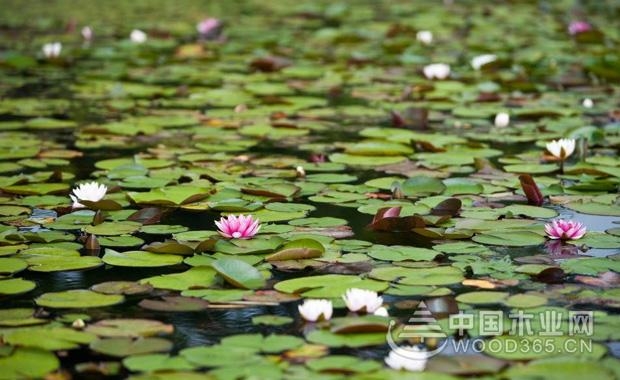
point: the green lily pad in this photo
(346, 340)
(401, 253)
(327, 286)
(121, 347)
(140, 259)
(26, 362)
(113, 228)
(156, 362)
(133, 328)
(196, 277)
(77, 298)
(19, 317)
(48, 337)
(170, 196)
(510, 238)
(174, 304)
(239, 273)
(482, 297)
(561, 369)
(45, 263)
(121, 287)
(270, 320)
(12, 265)
(16, 286)
(342, 363)
(298, 249)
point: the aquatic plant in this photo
(90, 191)
(208, 27)
(437, 71)
(410, 358)
(238, 227)
(424, 36)
(362, 300)
(578, 26)
(565, 229)
(137, 36)
(502, 120)
(478, 61)
(561, 149)
(313, 310)
(52, 49)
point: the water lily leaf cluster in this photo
(318, 120)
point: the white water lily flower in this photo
(301, 172)
(424, 36)
(313, 310)
(362, 300)
(502, 119)
(137, 36)
(561, 148)
(87, 33)
(587, 103)
(382, 312)
(409, 358)
(437, 70)
(481, 60)
(91, 191)
(52, 49)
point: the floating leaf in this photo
(121, 347)
(140, 259)
(27, 362)
(77, 298)
(124, 327)
(239, 273)
(298, 249)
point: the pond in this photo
(368, 190)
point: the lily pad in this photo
(239, 273)
(121, 347)
(77, 298)
(140, 259)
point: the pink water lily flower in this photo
(238, 227)
(565, 229)
(576, 27)
(208, 26)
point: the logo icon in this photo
(421, 327)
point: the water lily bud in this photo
(502, 119)
(78, 324)
(425, 36)
(397, 191)
(587, 103)
(92, 244)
